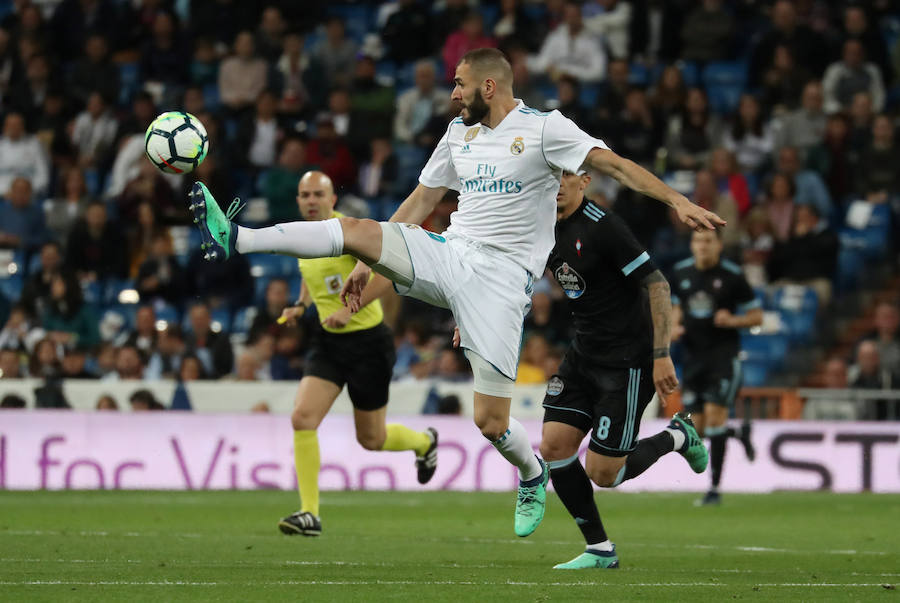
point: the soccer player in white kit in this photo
(506, 160)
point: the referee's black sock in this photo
(575, 491)
(648, 451)
(717, 444)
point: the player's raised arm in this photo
(638, 179)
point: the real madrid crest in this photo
(472, 133)
(517, 146)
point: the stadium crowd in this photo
(779, 116)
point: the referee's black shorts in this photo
(363, 360)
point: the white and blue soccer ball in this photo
(176, 142)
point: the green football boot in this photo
(592, 560)
(693, 450)
(217, 233)
(531, 501)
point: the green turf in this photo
(164, 546)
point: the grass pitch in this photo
(442, 546)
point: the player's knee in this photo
(371, 441)
(604, 477)
(556, 451)
(302, 420)
(492, 428)
(360, 227)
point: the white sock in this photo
(316, 239)
(515, 446)
(601, 547)
(678, 436)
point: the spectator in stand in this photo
(707, 32)
(204, 67)
(724, 168)
(143, 400)
(515, 28)
(145, 336)
(22, 156)
(96, 248)
(260, 133)
(29, 94)
(44, 362)
(221, 20)
(850, 75)
(707, 195)
(247, 367)
(213, 349)
(407, 32)
(808, 47)
(277, 300)
(567, 94)
(143, 110)
(150, 187)
(868, 373)
(779, 205)
(9, 65)
(611, 100)
(94, 72)
(757, 241)
(73, 19)
(832, 159)
(569, 49)
(417, 106)
(610, 20)
(879, 164)
(36, 292)
(635, 132)
(67, 319)
(861, 119)
(534, 355)
(448, 20)
(525, 88)
(372, 105)
(808, 257)
(333, 157)
(668, 96)
(10, 364)
(242, 76)
(160, 277)
(73, 363)
(858, 27)
(62, 212)
(191, 369)
(803, 128)
(834, 376)
(139, 236)
(21, 220)
(335, 55)
(750, 138)
(692, 135)
(547, 319)
(469, 36)
(287, 361)
(166, 359)
(886, 335)
(94, 132)
(106, 402)
(12, 401)
(270, 33)
(280, 183)
(379, 173)
(164, 57)
(783, 82)
(17, 333)
(810, 189)
(227, 284)
(291, 68)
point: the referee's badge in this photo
(517, 146)
(334, 283)
(555, 386)
(471, 133)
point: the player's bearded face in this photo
(475, 110)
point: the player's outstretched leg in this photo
(574, 489)
(693, 450)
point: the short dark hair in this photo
(489, 62)
(12, 401)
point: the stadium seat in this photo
(112, 288)
(638, 75)
(587, 94)
(755, 374)
(222, 318)
(11, 285)
(271, 265)
(92, 292)
(168, 313)
(724, 82)
(873, 238)
(359, 19)
(797, 305)
(259, 289)
(294, 288)
(243, 319)
(129, 82)
(116, 319)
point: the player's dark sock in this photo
(717, 444)
(648, 451)
(575, 491)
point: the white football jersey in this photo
(508, 178)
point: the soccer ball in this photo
(176, 142)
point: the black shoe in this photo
(427, 463)
(301, 522)
(710, 498)
(744, 437)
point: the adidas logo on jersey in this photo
(465, 149)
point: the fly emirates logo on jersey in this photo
(486, 181)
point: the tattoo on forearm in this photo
(660, 311)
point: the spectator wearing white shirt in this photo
(570, 49)
(21, 155)
(416, 107)
(850, 75)
(94, 132)
(750, 137)
(805, 127)
(610, 19)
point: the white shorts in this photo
(488, 294)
